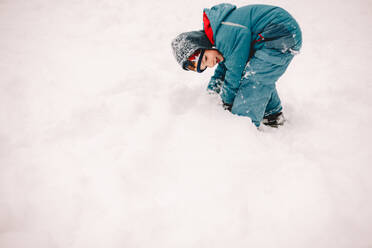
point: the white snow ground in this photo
(106, 142)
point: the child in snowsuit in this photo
(253, 46)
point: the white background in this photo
(106, 142)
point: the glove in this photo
(227, 106)
(214, 86)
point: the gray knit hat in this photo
(186, 44)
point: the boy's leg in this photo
(274, 105)
(251, 101)
(258, 83)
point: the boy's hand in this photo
(227, 106)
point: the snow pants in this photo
(257, 96)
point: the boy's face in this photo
(210, 59)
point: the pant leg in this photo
(274, 105)
(257, 86)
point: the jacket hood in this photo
(185, 44)
(216, 15)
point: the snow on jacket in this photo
(238, 33)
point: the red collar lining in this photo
(207, 28)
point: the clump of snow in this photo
(106, 142)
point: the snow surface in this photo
(106, 142)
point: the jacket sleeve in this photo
(217, 79)
(235, 64)
(220, 72)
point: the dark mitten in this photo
(227, 106)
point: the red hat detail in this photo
(195, 56)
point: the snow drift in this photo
(106, 142)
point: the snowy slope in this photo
(106, 142)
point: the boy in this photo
(252, 46)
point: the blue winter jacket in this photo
(238, 33)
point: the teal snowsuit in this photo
(257, 42)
